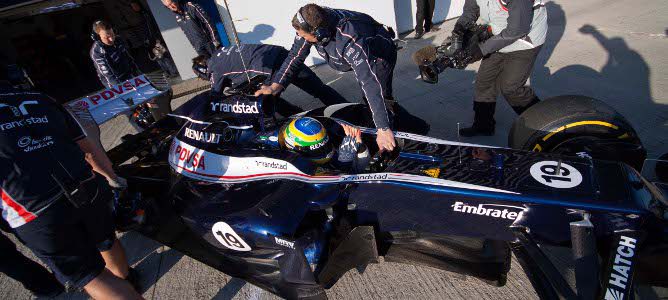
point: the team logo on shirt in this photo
(29, 144)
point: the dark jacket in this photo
(227, 69)
(198, 28)
(37, 143)
(357, 42)
(114, 64)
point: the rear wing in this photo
(100, 107)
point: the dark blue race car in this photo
(223, 191)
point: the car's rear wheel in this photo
(577, 125)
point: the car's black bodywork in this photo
(274, 219)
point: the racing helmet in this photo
(308, 137)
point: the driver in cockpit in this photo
(309, 137)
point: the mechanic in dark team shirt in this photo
(519, 28)
(112, 61)
(226, 69)
(348, 41)
(196, 25)
(55, 195)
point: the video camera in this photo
(434, 60)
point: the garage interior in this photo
(50, 41)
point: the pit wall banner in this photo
(106, 104)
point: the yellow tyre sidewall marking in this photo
(539, 148)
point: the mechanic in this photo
(196, 25)
(112, 61)
(226, 69)
(348, 41)
(55, 195)
(519, 28)
(30, 274)
(309, 137)
(153, 41)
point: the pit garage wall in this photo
(268, 21)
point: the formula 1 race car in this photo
(225, 192)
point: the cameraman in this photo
(226, 69)
(54, 202)
(348, 41)
(519, 28)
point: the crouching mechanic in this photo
(348, 41)
(519, 29)
(226, 69)
(55, 203)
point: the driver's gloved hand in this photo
(347, 150)
(463, 58)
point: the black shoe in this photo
(483, 120)
(133, 279)
(520, 109)
(476, 131)
(418, 35)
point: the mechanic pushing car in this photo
(347, 40)
(519, 29)
(53, 200)
(112, 61)
(226, 69)
(196, 25)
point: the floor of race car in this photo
(625, 66)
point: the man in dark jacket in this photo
(112, 61)
(226, 69)
(519, 29)
(348, 41)
(54, 194)
(196, 25)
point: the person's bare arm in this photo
(100, 162)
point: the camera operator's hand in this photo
(385, 140)
(273, 89)
(118, 183)
(459, 30)
(463, 58)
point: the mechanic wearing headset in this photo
(112, 61)
(348, 41)
(196, 25)
(55, 195)
(519, 28)
(226, 69)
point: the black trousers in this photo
(506, 73)
(424, 14)
(30, 274)
(310, 83)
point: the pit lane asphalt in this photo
(624, 63)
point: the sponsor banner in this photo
(198, 164)
(618, 276)
(105, 104)
(499, 211)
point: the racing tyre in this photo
(577, 125)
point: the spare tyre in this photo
(577, 125)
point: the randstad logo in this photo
(237, 108)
